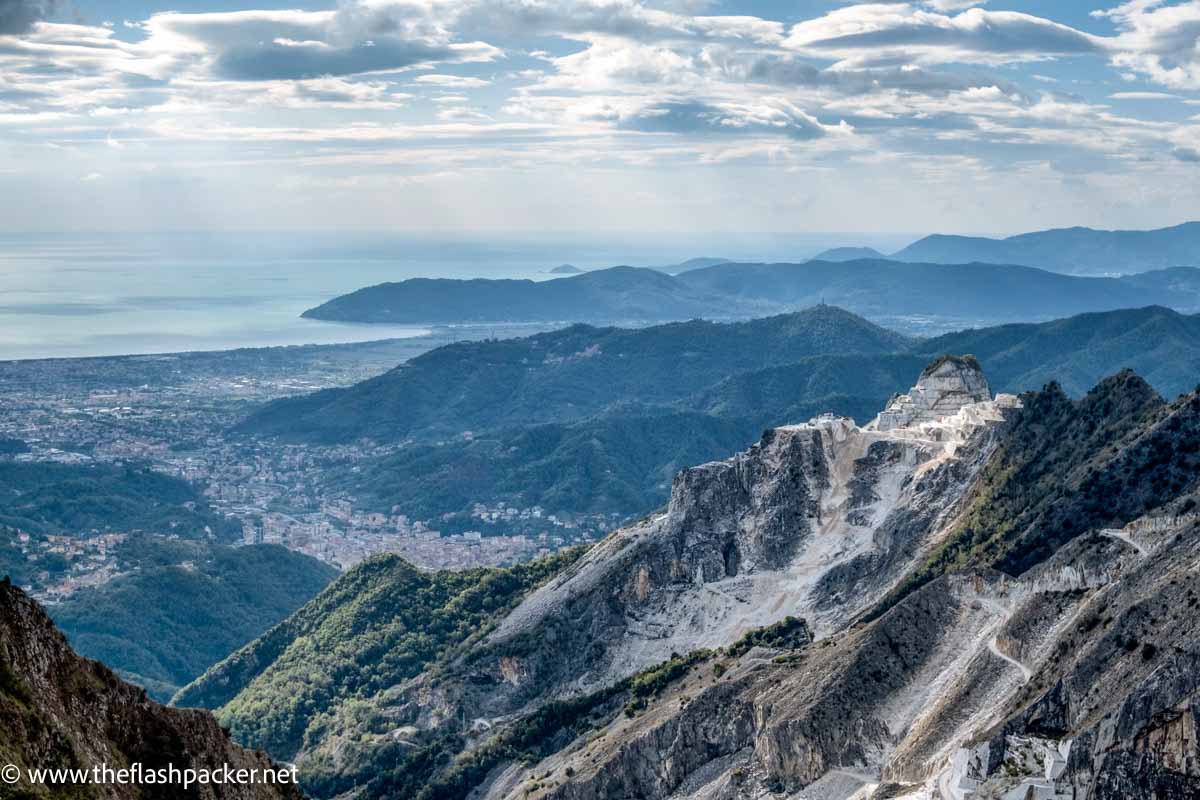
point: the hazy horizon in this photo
(114, 293)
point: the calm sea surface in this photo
(88, 295)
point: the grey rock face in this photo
(1077, 679)
(976, 686)
(818, 520)
(945, 386)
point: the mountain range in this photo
(916, 297)
(598, 420)
(965, 595)
(562, 376)
(1076, 251)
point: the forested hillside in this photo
(47, 497)
(598, 420)
(381, 623)
(182, 606)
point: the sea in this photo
(65, 295)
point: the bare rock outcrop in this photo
(818, 520)
(947, 385)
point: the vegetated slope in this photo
(1161, 345)
(608, 295)
(1068, 466)
(587, 421)
(14, 562)
(12, 447)
(1082, 251)
(48, 497)
(621, 461)
(618, 462)
(855, 386)
(381, 623)
(561, 376)
(184, 606)
(886, 290)
(894, 291)
(58, 710)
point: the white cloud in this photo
(628, 19)
(868, 88)
(1158, 39)
(452, 81)
(1144, 96)
(289, 45)
(953, 5)
(770, 116)
(882, 33)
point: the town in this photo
(173, 413)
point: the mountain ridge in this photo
(559, 363)
(1078, 250)
(888, 290)
(606, 433)
(835, 517)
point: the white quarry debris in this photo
(945, 387)
(1145, 534)
(1032, 768)
(1032, 765)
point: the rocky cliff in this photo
(1077, 680)
(948, 384)
(58, 710)
(824, 616)
(818, 520)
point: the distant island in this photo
(567, 269)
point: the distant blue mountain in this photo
(848, 254)
(1075, 251)
(952, 295)
(693, 263)
(614, 294)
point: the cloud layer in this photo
(448, 94)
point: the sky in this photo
(682, 116)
